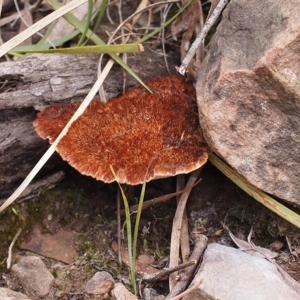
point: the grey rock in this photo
(7, 294)
(248, 92)
(120, 292)
(34, 277)
(100, 284)
(231, 274)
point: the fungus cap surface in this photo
(141, 135)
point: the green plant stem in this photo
(256, 193)
(137, 220)
(87, 23)
(101, 13)
(129, 235)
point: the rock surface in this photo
(100, 284)
(7, 294)
(121, 293)
(248, 92)
(34, 277)
(231, 274)
(61, 245)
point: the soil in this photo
(88, 207)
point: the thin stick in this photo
(184, 234)
(10, 248)
(200, 38)
(189, 290)
(151, 278)
(176, 228)
(160, 199)
(186, 274)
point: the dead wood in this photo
(161, 275)
(41, 80)
(185, 276)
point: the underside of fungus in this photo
(141, 135)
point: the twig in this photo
(35, 188)
(160, 199)
(200, 38)
(189, 290)
(166, 272)
(186, 275)
(184, 235)
(176, 228)
(10, 248)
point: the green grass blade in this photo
(137, 220)
(93, 37)
(87, 23)
(101, 13)
(46, 45)
(43, 40)
(129, 234)
(121, 48)
(16, 40)
(256, 193)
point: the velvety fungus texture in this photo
(141, 135)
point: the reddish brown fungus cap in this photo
(141, 135)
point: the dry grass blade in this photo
(15, 41)
(9, 258)
(254, 192)
(138, 12)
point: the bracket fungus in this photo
(141, 135)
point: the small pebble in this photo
(33, 276)
(100, 284)
(276, 246)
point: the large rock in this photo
(248, 92)
(231, 274)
